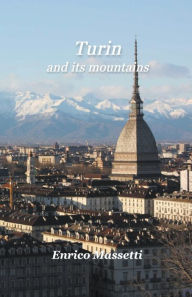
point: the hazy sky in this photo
(35, 34)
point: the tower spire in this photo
(136, 84)
(136, 102)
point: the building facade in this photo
(27, 270)
(137, 200)
(175, 207)
(186, 180)
(33, 225)
(48, 160)
(121, 233)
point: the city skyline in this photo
(79, 215)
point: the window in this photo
(125, 276)
(154, 252)
(138, 262)
(138, 275)
(125, 263)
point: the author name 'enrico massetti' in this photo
(57, 255)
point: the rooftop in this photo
(177, 197)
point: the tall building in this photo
(186, 178)
(30, 173)
(56, 146)
(99, 161)
(136, 152)
(183, 147)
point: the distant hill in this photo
(27, 117)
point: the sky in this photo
(35, 34)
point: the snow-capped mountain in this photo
(30, 117)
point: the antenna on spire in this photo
(136, 102)
(136, 85)
(135, 49)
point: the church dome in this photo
(136, 137)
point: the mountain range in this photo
(31, 118)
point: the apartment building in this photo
(121, 233)
(27, 270)
(176, 207)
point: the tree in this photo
(178, 259)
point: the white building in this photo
(139, 200)
(48, 160)
(26, 150)
(168, 155)
(30, 173)
(177, 206)
(94, 202)
(186, 178)
(183, 147)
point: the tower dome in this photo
(136, 154)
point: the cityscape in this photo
(95, 196)
(133, 197)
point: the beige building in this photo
(98, 161)
(134, 205)
(183, 147)
(26, 150)
(186, 180)
(177, 206)
(48, 160)
(136, 152)
(139, 201)
(96, 244)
